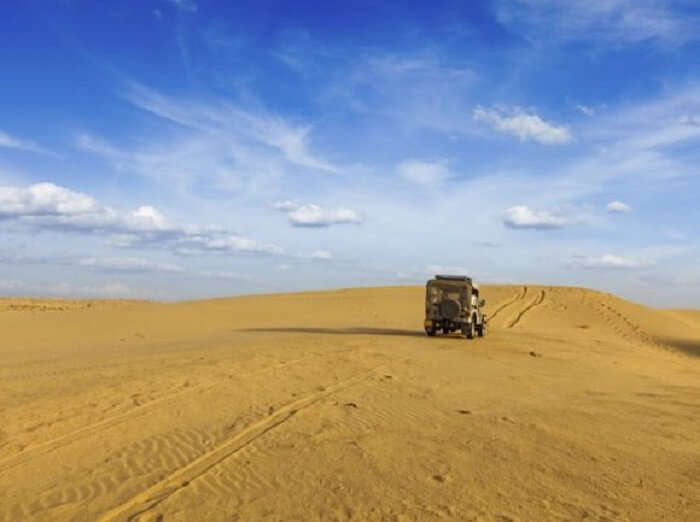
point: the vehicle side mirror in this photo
(482, 302)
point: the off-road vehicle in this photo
(452, 304)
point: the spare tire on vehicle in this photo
(449, 309)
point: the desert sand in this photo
(335, 406)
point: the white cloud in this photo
(128, 264)
(322, 255)
(315, 216)
(44, 199)
(608, 261)
(588, 111)
(233, 244)
(48, 206)
(286, 205)
(146, 218)
(9, 142)
(523, 125)
(310, 215)
(422, 172)
(618, 207)
(523, 217)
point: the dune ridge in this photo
(335, 406)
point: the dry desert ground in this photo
(335, 406)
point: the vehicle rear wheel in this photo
(430, 332)
(468, 330)
(482, 330)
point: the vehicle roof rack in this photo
(453, 278)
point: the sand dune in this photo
(334, 405)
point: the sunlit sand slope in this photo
(335, 406)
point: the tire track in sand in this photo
(51, 445)
(518, 297)
(535, 302)
(159, 492)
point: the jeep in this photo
(452, 303)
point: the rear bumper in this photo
(429, 324)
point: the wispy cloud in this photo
(112, 289)
(487, 244)
(10, 142)
(432, 270)
(584, 109)
(10, 284)
(128, 264)
(229, 276)
(286, 206)
(323, 255)
(676, 235)
(184, 5)
(419, 90)
(617, 21)
(526, 126)
(199, 159)
(608, 261)
(422, 172)
(523, 217)
(234, 125)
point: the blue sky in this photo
(175, 149)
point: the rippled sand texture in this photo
(336, 406)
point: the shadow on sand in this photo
(342, 331)
(687, 346)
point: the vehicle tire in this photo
(469, 330)
(482, 330)
(430, 332)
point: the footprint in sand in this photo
(440, 478)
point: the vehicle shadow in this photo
(688, 346)
(396, 332)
